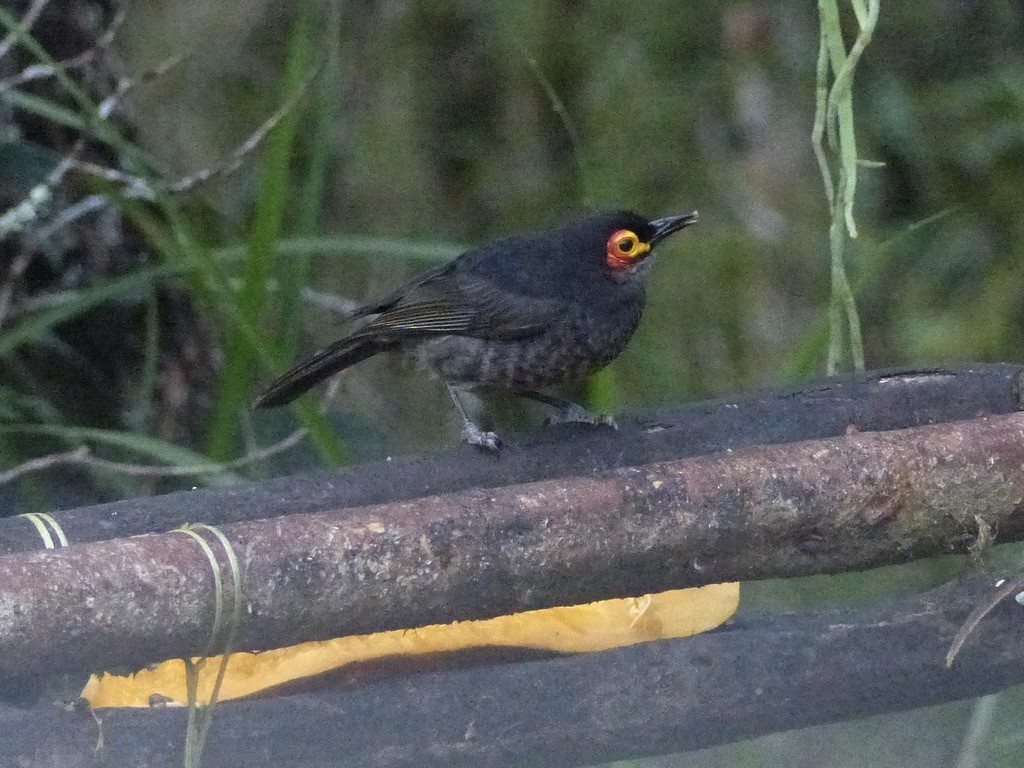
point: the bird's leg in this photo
(567, 410)
(471, 433)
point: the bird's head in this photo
(623, 240)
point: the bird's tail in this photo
(325, 363)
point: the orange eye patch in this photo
(625, 249)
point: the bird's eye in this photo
(625, 249)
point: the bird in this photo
(517, 315)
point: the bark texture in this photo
(820, 506)
(872, 402)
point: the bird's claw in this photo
(473, 435)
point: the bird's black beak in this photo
(665, 227)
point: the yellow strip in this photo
(593, 627)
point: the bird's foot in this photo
(577, 414)
(473, 435)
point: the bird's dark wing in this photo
(465, 305)
(389, 300)
(438, 303)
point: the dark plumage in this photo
(519, 314)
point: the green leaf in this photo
(242, 351)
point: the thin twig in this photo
(243, 150)
(142, 470)
(19, 216)
(30, 17)
(41, 71)
(139, 188)
(134, 186)
(42, 194)
(126, 84)
(44, 462)
(1005, 588)
(69, 215)
(83, 456)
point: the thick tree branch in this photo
(862, 500)
(871, 402)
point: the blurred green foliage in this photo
(452, 122)
(446, 132)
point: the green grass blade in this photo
(294, 271)
(237, 382)
(336, 245)
(172, 236)
(150, 448)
